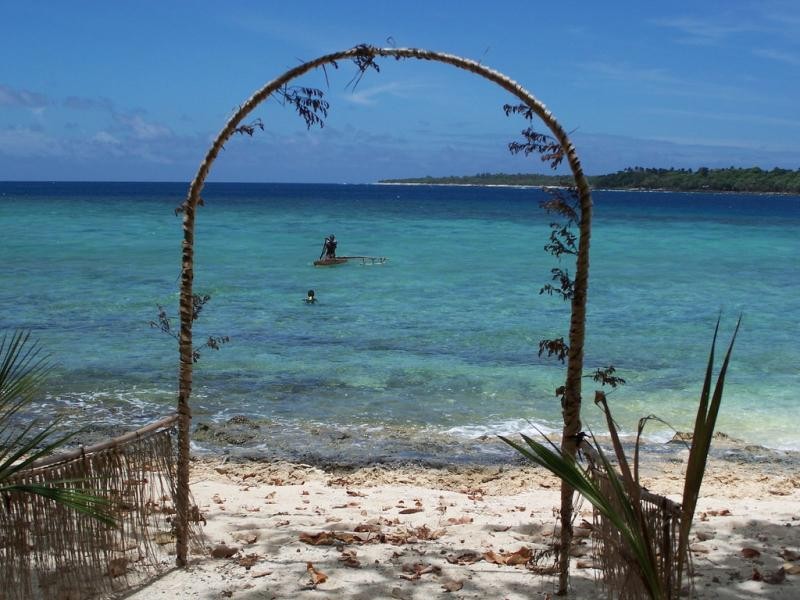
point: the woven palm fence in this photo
(617, 566)
(49, 551)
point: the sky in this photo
(136, 91)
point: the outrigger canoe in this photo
(340, 260)
(329, 262)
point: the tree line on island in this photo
(703, 179)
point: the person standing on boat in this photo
(329, 247)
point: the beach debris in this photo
(410, 510)
(217, 499)
(259, 574)
(368, 527)
(452, 585)
(348, 558)
(465, 558)
(249, 560)
(749, 553)
(223, 551)
(791, 555)
(245, 537)
(356, 493)
(330, 538)
(412, 536)
(791, 569)
(774, 578)
(317, 577)
(520, 557)
(460, 520)
(413, 571)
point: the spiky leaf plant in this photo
(23, 369)
(624, 509)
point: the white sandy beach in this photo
(282, 530)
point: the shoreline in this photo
(333, 445)
(593, 189)
(412, 532)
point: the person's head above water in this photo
(310, 293)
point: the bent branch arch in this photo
(572, 396)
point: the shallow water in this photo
(418, 356)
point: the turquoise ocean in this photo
(426, 356)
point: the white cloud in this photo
(29, 142)
(777, 55)
(23, 98)
(139, 128)
(369, 96)
(103, 137)
(739, 118)
(705, 31)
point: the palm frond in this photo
(75, 498)
(23, 369)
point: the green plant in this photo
(23, 370)
(624, 507)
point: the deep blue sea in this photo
(423, 356)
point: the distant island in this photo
(779, 181)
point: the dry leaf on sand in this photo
(788, 554)
(791, 569)
(317, 577)
(249, 560)
(451, 585)
(348, 558)
(223, 551)
(750, 553)
(245, 537)
(520, 557)
(329, 538)
(465, 558)
(412, 571)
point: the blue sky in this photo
(136, 90)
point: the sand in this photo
(284, 530)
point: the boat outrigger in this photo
(328, 258)
(340, 260)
